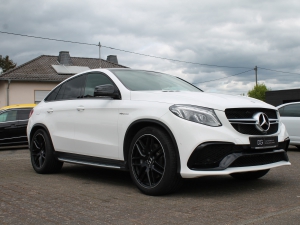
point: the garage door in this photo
(39, 96)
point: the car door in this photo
(8, 124)
(290, 116)
(60, 112)
(96, 123)
(22, 117)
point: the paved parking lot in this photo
(89, 195)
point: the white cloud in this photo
(234, 33)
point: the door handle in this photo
(50, 111)
(80, 108)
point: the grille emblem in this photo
(262, 122)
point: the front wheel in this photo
(153, 163)
(42, 155)
(253, 175)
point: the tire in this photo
(152, 162)
(253, 175)
(298, 146)
(42, 155)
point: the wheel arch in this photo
(37, 126)
(137, 125)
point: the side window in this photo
(292, 110)
(23, 114)
(53, 94)
(71, 89)
(93, 80)
(8, 116)
(61, 91)
(281, 111)
(3, 116)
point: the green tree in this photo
(6, 63)
(259, 92)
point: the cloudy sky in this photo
(228, 33)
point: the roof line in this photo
(89, 58)
(284, 90)
(18, 67)
(26, 80)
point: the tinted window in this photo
(136, 80)
(93, 80)
(8, 116)
(53, 94)
(290, 110)
(60, 93)
(71, 89)
(23, 114)
(281, 111)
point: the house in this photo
(32, 81)
(279, 97)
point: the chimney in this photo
(112, 59)
(64, 58)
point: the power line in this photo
(175, 60)
(157, 57)
(50, 39)
(122, 50)
(223, 77)
(278, 71)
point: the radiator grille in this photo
(242, 120)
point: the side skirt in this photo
(90, 160)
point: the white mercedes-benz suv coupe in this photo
(159, 127)
(290, 117)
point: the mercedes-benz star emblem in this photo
(262, 122)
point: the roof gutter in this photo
(23, 80)
(7, 92)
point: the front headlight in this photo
(196, 114)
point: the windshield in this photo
(138, 80)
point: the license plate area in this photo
(263, 142)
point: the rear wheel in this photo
(152, 162)
(253, 175)
(42, 155)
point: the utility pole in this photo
(255, 68)
(100, 54)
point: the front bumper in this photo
(222, 155)
(189, 136)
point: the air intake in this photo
(112, 59)
(64, 58)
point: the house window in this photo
(39, 96)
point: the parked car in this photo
(157, 126)
(13, 123)
(290, 116)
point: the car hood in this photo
(208, 100)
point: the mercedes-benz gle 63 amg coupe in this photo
(157, 126)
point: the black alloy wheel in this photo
(148, 161)
(42, 155)
(153, 163)
(38, 150)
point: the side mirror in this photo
(107, 90)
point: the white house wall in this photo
(22, 92)
(3, 86)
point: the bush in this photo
(259, 92)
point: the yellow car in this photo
(13, 123)
(18, 106)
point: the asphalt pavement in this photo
(91, 195)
